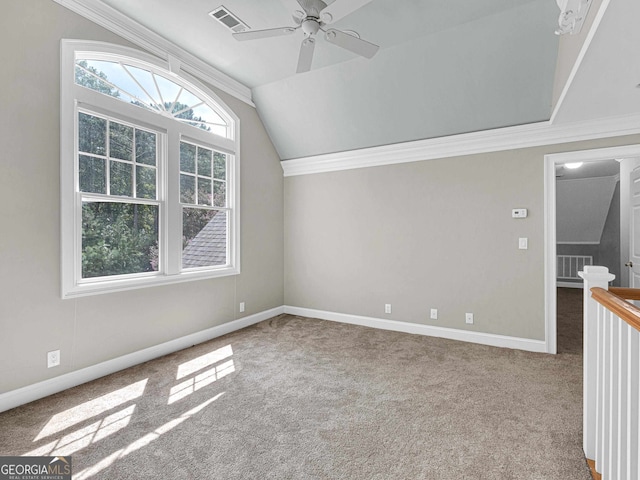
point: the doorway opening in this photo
(628, 158)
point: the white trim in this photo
(45, 388)
(550, 259)
(578, 243)
(419, 329)
(123, 26)
(576, 66)
(42, 389)
(509, 138)
(550, 274)
(570, 284)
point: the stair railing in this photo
(611, 420)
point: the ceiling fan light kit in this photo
(311, 20)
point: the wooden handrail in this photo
(623, 309)
(626, 293)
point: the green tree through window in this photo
(117, 160)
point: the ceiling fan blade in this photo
(351, 43)
(313, 7)
(342, 8)
(306, 55)
(256, 34)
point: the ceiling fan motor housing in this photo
(310, 26)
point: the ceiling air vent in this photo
(228, 19)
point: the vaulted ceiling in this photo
(443, 68)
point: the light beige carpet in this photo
(297, 398)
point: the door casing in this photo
(550, 162)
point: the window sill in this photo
(120, 285)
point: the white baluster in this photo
(605, 410)
(614, 385)
(623, 388)
(594, 276)
(599, 416)
(634, 405)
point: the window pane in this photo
(204, 191)
(187, 188)
(218, 130)
(204, 162)
(204, 113)
(145, 147)
(120, 141)
(118, 238)
(88, 77)
(92, 175)
(220, 166)
(187, 157)
(144, 78)
(145, 182)
(187, 99)
(168, 89)
(219, 194)
(121, 178)
(92, 134)
(204, 238)
(150, 90)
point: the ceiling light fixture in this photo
(572, 15)
(573, 166)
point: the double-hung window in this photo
(149, 174)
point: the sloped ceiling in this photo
(582, 208)
(443, 67)
(607, 83)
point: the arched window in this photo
(149, 172)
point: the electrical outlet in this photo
(434, 314)
(53, 358)
(387, 308)
(241, 307)
(468, 318)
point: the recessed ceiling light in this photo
(573, 166)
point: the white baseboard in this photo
(570, 284)
(42, 389)
(428, 330)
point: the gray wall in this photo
(89, 330)
(432, 234)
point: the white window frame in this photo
(74, 98)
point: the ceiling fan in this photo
(310, 20)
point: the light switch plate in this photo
(523, 243)
(519, 213)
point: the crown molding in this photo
(509, 138)
(125, 27)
